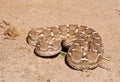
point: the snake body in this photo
(85, 47)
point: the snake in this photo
(84, 45)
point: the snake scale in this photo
(85, 47)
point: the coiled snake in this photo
(85, 47)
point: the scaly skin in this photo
(85, 48)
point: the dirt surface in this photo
(18, 63)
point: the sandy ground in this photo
(18, 63)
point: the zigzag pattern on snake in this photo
(85, 47)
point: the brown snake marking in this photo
(85, 48)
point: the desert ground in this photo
(18, 63)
